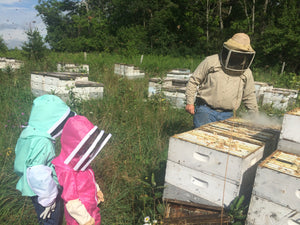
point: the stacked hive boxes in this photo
(129, 71)
(215, 163)
(11, 63)
(174, 90)
(289, 140)
(276, 193)
(71, 67)
(173, 86)
(179, 73)
(249, 131)
(60, 83)
(260, 88)
(280, 98)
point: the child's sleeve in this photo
(77, 210)
(41, 182)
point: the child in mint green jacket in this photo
(34, 152)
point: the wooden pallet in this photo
(187, 213)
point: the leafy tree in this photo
(3, 47)
(173, 26)
(35, 47)
(280, 40)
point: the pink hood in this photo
(75, 129)
(76, 184)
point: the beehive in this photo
(129, 71)
(179, 73)
(172, 88)
(71, 67)
(276, 192)
(263, 212)
(278, 179)
(11, 63)
(201, 163)
(244, 130)
(289, 140)
(280, 98)
(175, 95)
(260, 88)
(154, 86)
(60, 83)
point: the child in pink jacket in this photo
(81, 141)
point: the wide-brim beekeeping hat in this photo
(240, 42)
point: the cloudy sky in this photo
(17, 16)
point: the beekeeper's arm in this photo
(77, 210)
(42, 184)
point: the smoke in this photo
(262, 119)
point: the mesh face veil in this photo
(56, 129)
(235, 60)
(88, 148)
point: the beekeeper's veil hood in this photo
(81, 142)
(237, 53)
(49, 113)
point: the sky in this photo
(16, 17)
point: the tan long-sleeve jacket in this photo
(221, 90)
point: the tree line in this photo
(176, 27)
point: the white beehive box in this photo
(11, 63)
(174, 82)
(175, 193)
(175, 95)
(260, 88)
(250, 133)
(179, 73)
(88, 90)
(276, 193)
(264, 212)
(201, 162)
(129, 71)
(154, 86)
(60, 83)
(280, 98)
(71, 67)
(278, 179)
(290, 136)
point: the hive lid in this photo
(283, 162)
(218, 142)
(235, 121)
(256, 136)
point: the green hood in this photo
(47, 113)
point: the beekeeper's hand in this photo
(100, 196)
(190, 109)
(91, 222)
(48, 210)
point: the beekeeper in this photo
(34, 152)
(81, 142)
(221, 82)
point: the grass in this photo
(130, 170)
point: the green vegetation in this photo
(177, 27)
(3, 47)
(237, 211)
(34, 48)
(130, 169)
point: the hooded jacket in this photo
(79, 187)
(219, 88)
(35, 147)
